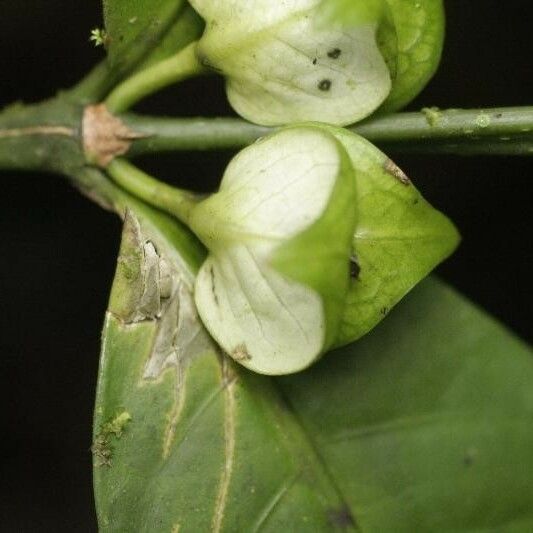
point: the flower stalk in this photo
(175, 69)
(156, 193)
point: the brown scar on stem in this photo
(105, 136)
(394, 170)
(240, 353)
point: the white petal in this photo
(267, 323)
(272, 190)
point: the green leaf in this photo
(187, 28)
(426, 424)
(183, 439)
(145, 31)
(420, 28)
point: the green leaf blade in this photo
(203, 445)
(146, 31)
(426, 422)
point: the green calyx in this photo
(273, 289)
(398, 240)
(420, 27)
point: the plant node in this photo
(104, 135)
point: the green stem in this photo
(158, 194)
(41, 136)
(95, 85)
(179, 67)
(491, 131)
(459, 124)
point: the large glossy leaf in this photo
(143, 31)
(423, 425)
(426, 424)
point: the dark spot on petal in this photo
(324, 85)
(341, 518)
(315, 61)
(335, 53)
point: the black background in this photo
(58, 250)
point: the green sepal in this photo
(398, 240)
(420, 29)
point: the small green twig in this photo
(156, 193)
(491, 131)
(181, 66)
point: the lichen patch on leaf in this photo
(102, 447)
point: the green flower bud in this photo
(313, 237)
(286, 61)
(273, 289)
